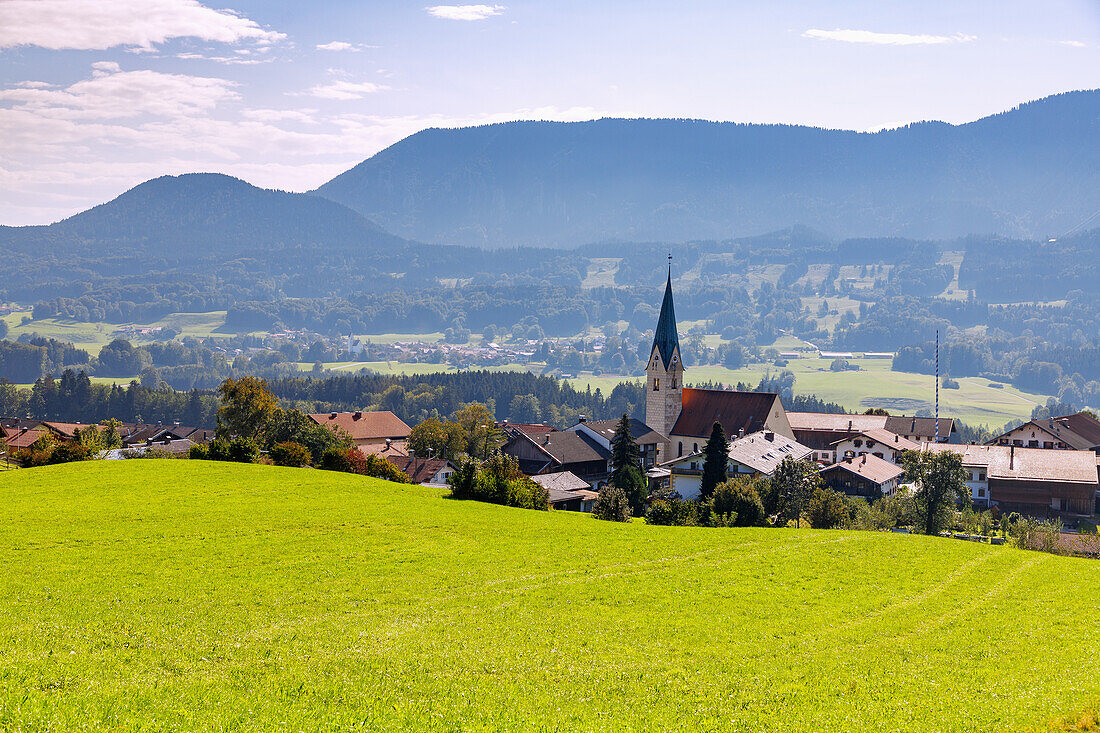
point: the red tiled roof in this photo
(419, 470)
(25, 439)
(365, 425)
(1026, 464)
(735, 410)
(871, 468)
(834, 421)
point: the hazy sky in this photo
(99, 95)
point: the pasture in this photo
(186, 595)
(875, 385)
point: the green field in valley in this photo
(186, 595)
(94, 336)
(875, 385)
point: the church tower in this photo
(665, 370)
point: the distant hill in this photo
(202, 214)
(1031, 172)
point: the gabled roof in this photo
(563, 481)
(365, 425)
(701, 408)
(1084, 425)
(665, 338)
(568, 447)
(419, 470)
(903, 425)
(642, 433)
(25, 439)
(763, 454)
(872, 468)
(834, 422)
(881, 436)
(1080, 431)
(1026, 464)
(758, 451)
(66, 429)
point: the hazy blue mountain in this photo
(202, 214)
(1031, 172)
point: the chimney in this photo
(864, 461)
(849, 425)
(581, 419)
(897, 438)
(1011, 456)
(740, 432)
(769, 436)
(332, 416)
(357, 416)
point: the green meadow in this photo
(874, 385)
(186, 595)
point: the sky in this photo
(97, 96)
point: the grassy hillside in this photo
(186, 595)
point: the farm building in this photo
(756, 454)
(868, 476)
(1069, 432)
(380, 433)
(567, 491)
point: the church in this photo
(687, 415)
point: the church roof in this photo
(665, 339)
(735, 410)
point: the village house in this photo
(567, 491)
(755, 454)
(867, 476)
(1035, 481)
(1068, 432)
(650, 443)
(556, 451)
(423, 470)
(822, 431)
(878, 442)
(380, 433)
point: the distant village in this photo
(1044, 468)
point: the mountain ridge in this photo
(1023, 172)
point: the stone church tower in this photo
(665, 371)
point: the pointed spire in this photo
(665, 339)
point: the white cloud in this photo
(884, 39)
(235, 60)
(1074, 44)
(115, 94)
(345, 89)
(338, 46)
(465, 12)
(98, 25)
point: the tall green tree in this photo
(794, 482)
(715, 461)
(940, 482)
(624, 451)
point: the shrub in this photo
(611, 505)
(199, 453)
(498, 481)
(336, 459)
(219, 450)
(826, 509)
(289, 453)
(374, 466)
(671, 511)
(738, 499)
(244, 450)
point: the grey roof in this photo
(567, 446)
(642, 433)
(758, 452)
(563, 481)
(665, 339)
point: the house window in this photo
(981, 475)
(1018, 443)
(857, 443)
(681, 451)
(981, 493)
(1032, 444)
(656, 384)
(1048, 444)
(672, 383)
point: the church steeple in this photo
(665, 338)
(665, 370)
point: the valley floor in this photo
(149, 595)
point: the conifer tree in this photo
(715, 461)
(624, 451)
